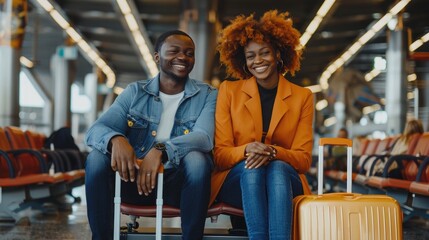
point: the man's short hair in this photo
(165, 35)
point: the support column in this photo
(9, 86)
(422, 72)
(90, 86)
(396, 81)
(62, 68)
(11, 38)
(199, 21)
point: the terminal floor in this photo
(73, 225)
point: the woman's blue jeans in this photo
(265, 194)
(187, 187)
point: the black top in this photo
(267, 103)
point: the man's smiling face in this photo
(176, 57)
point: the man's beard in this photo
(175, 77)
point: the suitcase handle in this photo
(337, 142)
(117, 204)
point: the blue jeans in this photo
(265, 194)
(186, 187)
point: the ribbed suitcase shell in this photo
(346, 216)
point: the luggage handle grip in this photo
(339, 142)
(336, 141)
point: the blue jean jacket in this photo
(136, 113)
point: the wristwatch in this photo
(161, 147)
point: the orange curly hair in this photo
(273, 28)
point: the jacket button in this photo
(142, 149)
(153, 133)
(130, 123)
(186, 131)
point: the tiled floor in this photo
(73, 225)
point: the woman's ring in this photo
(147, 174)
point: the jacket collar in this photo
(152, 87)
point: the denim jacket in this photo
(136, 113)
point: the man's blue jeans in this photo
(265, 194)
(186, 187)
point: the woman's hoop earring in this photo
(281, 62)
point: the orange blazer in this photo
(239, 122)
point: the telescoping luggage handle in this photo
(159, 204)
(337, 142)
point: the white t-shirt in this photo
(170, 103)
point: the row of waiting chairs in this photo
(25, 177)
(408, 183)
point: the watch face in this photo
(160, 146)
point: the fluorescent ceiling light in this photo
(314, 24)
(123, 5)
(131, 21)
(45, 4)
(137, 32)
(413, 46)
(369, 109)
(118, 90)
(315, 88)
(88, 51)
(399, 6)
(425, 38)
(64, 24)
(26, 62)
(326, 6)
(73, 34)
(321, 104)
(111, 79)
(412, 77)
(372, 74)
(330, 121)
(362, 40)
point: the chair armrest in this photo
(8, 162)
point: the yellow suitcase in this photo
(345, 216)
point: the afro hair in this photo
(273, 28)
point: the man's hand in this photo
(146, 177)
(123, 158)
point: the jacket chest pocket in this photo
(184, 128)
(138, 133)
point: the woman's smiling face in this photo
(261, 60)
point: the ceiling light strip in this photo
(413, 47)
(89, 51)
(314, 24)
(26, 62)
(136, 29)
(360, 42)
(419, 42)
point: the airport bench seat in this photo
(169, 211)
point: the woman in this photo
(413, 127)
(264, 135)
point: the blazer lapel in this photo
(280, 106)
(253, 105)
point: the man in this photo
(337, 155)
(168, 119)
(343, 133)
